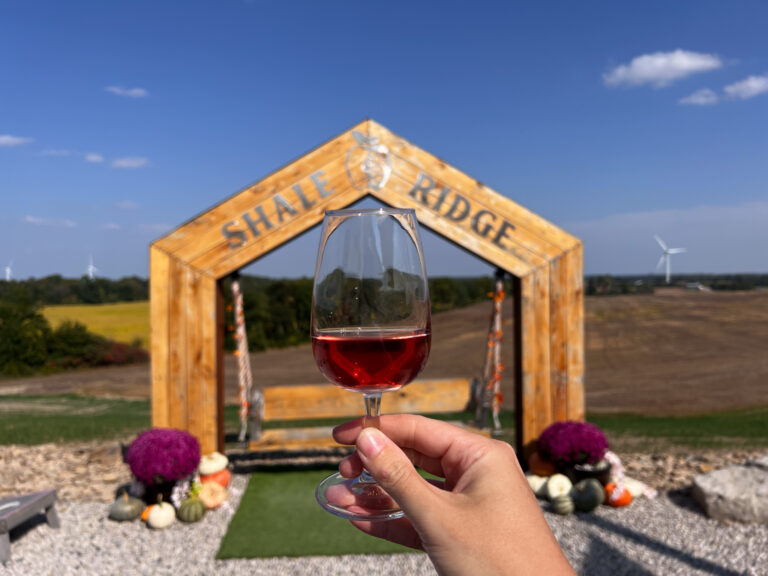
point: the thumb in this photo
(392, 469)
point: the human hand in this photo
(483, 519)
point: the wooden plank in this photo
(194, 403)
(313, 438)
(159, 333)
(210, 407)
(515, 264)
(518, 375)
(321, 401)
(203, 231)
(219, 350)
(543, 390)
(177, 342)
(527, 414)
(558, 321)
(575, 344)
(459, 181)
(222, 260)
(478, 199)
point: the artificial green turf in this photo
(278, 516)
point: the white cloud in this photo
(9, 141)
(748, 88)
(94, 158)
(111, 226)
(37, 221)
(703, 97)
(719, 239)
(130, 162)
(127, 205)
(661, 68)
(128, 92)
(59, 153)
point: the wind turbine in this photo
(665, 257)
(9, 271)
(91, 269)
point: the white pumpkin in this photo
(558, 485)
(161, 516)
(538, 484)
(212, 463)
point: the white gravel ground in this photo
(650, 537)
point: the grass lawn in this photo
(62, 418)
(68, 418)
(123, 322)
(278, 516)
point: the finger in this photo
(432, 438)
(394, 471)
(351, 466)
(399, 531)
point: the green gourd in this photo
(191, 510)
(588, 495)
(125, 508)
(562, 505)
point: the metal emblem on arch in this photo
(368, 163)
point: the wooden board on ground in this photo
(290, 403)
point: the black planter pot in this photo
(153, 491)
(600, 472)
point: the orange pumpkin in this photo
(617, 496)
(213, 494)
(537, 465)
(222, 477)
(145, 513)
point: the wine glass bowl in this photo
(370, 328)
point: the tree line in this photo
(608, 285)
(28, 344)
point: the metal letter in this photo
(462, 214)
(502, 233)
(424, 189)
(304, 202)
(321, 184)
(476, 222)
(235, 238)
(253, 223)
(282, 205)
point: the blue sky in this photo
(617, 121)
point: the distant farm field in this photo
(672, 353)
(123, 322)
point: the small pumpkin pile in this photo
(215, 478)
(191, 484)
(574, 470)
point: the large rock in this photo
(735, 493)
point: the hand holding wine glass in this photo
(370, 327)
(483, 519)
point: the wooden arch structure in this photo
(186, 265)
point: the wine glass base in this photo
(356, 499)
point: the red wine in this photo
(371, 361)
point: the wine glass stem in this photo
(372, 412)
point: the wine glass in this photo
(371, 329)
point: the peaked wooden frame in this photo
(186, 266)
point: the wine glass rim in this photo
(352, 211)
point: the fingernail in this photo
(370, 442)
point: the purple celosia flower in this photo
(163, 455)
(568, 443)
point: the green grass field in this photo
(39, 419)
(126, 322)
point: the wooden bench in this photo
(287, 403)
